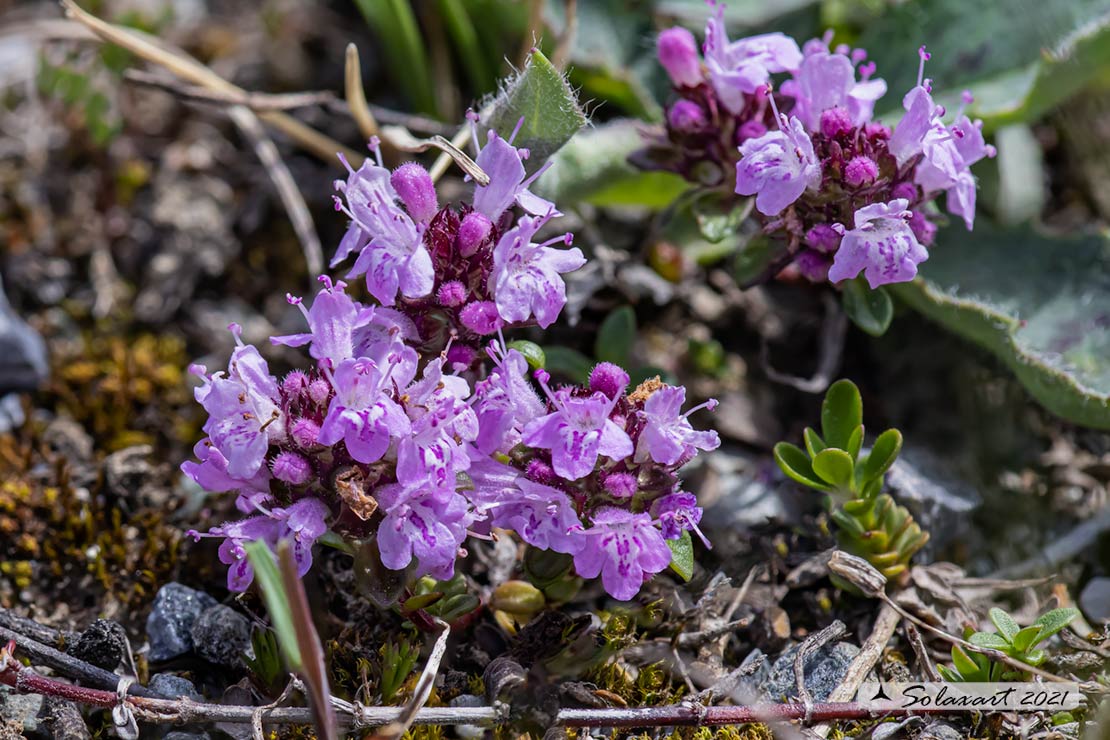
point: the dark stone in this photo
(22, 709)
(940, 502)
(1094, 600)
(62, 720)
(222, 635)
(176, 608)
(174, 686)
(23, 361)
(103, 643)
(824, 671)
(186, 735)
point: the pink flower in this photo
(882, 246)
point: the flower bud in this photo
(319, 391)
(608, 379)
(461, 356)
(540, 472)
(305, 433)
(860, 170)
(620, 485)
(686, 116)
(451, 294)
(417, 191)
(292, 468)
(481, 317)
(678, 53)
(814, 266)
(473, 230)
(294, 384)
(823, 238)
(924, 229)
(835, 121)
(906, 190)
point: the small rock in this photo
(23, 361)
(62, 720)
(186, 735)
(128, 470)
(1094, 600)
(174, 686)
(222, 635)
(103, 644)
(69, 439)
(470, 732)
(940, 730)
(824, 671)
(940, 503)
(176, 608)
(21, 708)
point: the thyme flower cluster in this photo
(848, 194)
(417, 424)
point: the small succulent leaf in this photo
(1004, 623)
(682, 556)
(872, 488)
(848, 524)
(277, 602)
(964, 663)
(1034, 657)
(989, 640)
(1026, 638)
(541, 96)
(834, 467)
(531, 351)
(841, 413)
(870, 310)
(615, 337)
(814, 443)
(1033, 301)
(882, 455)
(949, 675)
(855, 442)
(796, 465)
(1054, 621)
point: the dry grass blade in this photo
(254, 100)
(401, 139)
(356, 95)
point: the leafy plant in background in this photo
(1009, 639)
(870, 524)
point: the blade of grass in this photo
(399, 34)
(313, 667)
(465, 38)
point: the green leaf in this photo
(532, 352)
(1026, 638)
(541, 96)
(996, 49)
(834, 467)
(841, 413)
(569, 363)
(1029, 92)
(464, 35)
(796, 465)
(948, 674)
(682, 556)
(855, 442)
(615, 337)
(814, 443)
(395, 27)
(720, 218)
(989, 640)
(277, 602)
(1038, 303)
(759, 260)
(870, 310)
(883, 454)
(1004, 623)
(593, 168)
(1054, 621)
(965, 664)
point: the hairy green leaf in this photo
(682, 556)
(1004, 623)
(541, 96)
(1054, 621)
(1040, 304)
